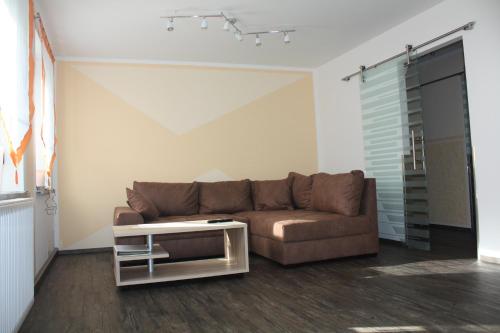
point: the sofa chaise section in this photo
(292, 237)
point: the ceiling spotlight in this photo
(286, 38)
(258, 41)
(204, 23)
(170, 24)
(238, 36)
(226, 25)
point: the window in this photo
(26, 95)
(44, 119)
(14, 109)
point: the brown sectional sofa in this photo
(279, 230)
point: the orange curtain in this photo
(17, 154)
(45, 39)
(46, 44)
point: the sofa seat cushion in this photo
(197, 217)
(171, 198)
(304, 225)
(225, 197)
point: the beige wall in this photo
(123, 122)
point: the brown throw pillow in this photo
(340, 193)
(272, 195)
(142, 205)
(225, 197)
(171, 198)
(301, 190)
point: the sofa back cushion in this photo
(171, 198)
(301, 190)
(340, 193)
(272, 194)
(225, 197)
(142, 205)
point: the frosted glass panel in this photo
(386, 142)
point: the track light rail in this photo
(229, 21)
(269, 32)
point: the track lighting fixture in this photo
(230, 24)
(258, 41)
(286, 37)
(170, 24)
(204, 23)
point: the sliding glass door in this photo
(416, 196)
(394, 150)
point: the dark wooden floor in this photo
(399, 290)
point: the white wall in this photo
(44, 232)
(338, 111)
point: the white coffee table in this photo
(235, 260)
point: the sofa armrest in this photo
(126, 216)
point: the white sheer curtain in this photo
(14, 122)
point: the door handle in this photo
(413, 150)
(423, 148)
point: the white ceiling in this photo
(132, 29)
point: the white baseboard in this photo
(489, 256)
(45, 265)
(490, 260)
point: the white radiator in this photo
(16, 262)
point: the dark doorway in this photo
(448, 150)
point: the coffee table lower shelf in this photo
(177, 271)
